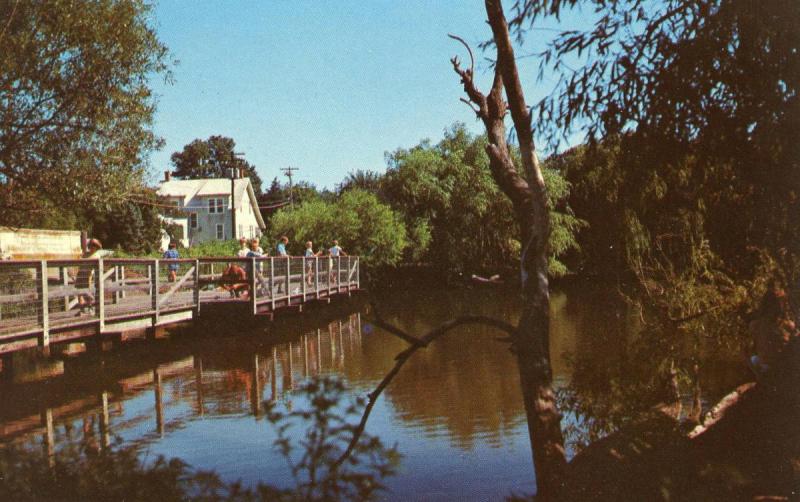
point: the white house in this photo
(206, 204)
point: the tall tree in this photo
(710, 84)
(212, 158)
(525, 185)
(75, 104)
(361, 179)
(457, 216)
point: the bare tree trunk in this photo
(528, 194)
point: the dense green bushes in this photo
(362, 224)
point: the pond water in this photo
(454, 411)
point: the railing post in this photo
(154, 290)
(338, 273)
(121, 281)
(100, 295)
(196, 291)
(63, 279)
(358, 273)
(330, 273)
(44, 311)
(303, 278)
(316, 276)
(253, 286)
(288, 279)
(272, 281)
(114, 279)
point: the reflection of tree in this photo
(474, 391)
(463, 382)
(317, 473)
(82, 471)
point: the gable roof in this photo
(190, 189)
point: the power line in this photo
(198, 208)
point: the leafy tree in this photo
(702, 96)
(130, 226)
(75, 105)
(362, 224)
(456, 215)
(364, 180)
(278, 196)
(212, 158)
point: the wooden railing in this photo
(39, 297)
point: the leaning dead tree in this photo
(525, 186)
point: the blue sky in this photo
(325, 86)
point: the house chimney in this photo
(167, 175)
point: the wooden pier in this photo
(48, 301)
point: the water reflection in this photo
(105, 391)
(455, 409)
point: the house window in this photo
(193, 220)
(220, 231)
(216, 205)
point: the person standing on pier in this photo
(172, 267)
(85, 277)
(309, 262)
(281, 252)
(256, 252)
(244, 249)
(334, 252)
(281, 248)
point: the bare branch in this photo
(474, 108)
(475, 96)
(469, 50)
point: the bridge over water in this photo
(39, 300)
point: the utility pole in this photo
(234, 175)
(288, 172)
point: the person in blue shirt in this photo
(336, 250)
(282, 242)
(310, 263)
(172, 267)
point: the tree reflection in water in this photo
(314, 460)
(311, 439)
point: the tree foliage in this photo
(362, 224)
(130, 226)
(75, 105)
(212, 158)
(364, 180)
(458, 217)
(690, 178)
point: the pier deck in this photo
(46, 301)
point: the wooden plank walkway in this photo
(46, 301)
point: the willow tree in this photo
(75, 103)
(524, 184)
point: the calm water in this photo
(454, 411)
